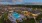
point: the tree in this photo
(39, 17)
(4, 17)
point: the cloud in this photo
(20, 0)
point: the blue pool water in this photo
(15, 15)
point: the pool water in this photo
(15, 15)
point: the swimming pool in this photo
(16, 15)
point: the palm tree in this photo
(4, 17)
(39, 17)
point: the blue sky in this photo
(30, 1)
(33, 0)
(24, 1)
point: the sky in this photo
(33, 0)
(30, 1)
(22, 1)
